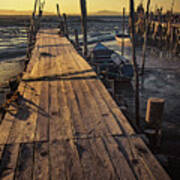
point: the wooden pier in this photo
(65, 125)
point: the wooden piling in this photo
(61, 23)
(154, 116)
(58, 11)
(35, 6)
(66, 32)
(154, 113)
(123, 23)
(84, 25)
(137, 104)
(145, 37)
(110, 84)
(76, 38)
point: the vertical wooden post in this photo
(98, 69)
(111, 84)
(84, 25)
(61, 24)
(58, 11)
(76, 38)
(172, 6)
(145, 37)
(154, 115)
(65, 26)
(137, 104)
(35, 6)
(122, 45)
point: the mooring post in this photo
(65, 26)
(84, 25)
(154, 116)
(122, 45)
(76, 38)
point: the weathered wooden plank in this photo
(9, 119)
(141, 160)
(41, 161)
(89, 116)
(90, 106)
(149, 159)
(23, 129)
(72, 70)
(24, 126)
(105, 114)
(76, 122)
(8, 162)
(25, 164)
(98, 156)
(60, 123)
(121, 119)
(6, 125)
(64, 160)
(42, 126)
(78, 127)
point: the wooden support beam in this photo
(137, 103)
(58, 11)
(76, 38)
(35, 6)
(110, 84)
(84, 25)
(145, 37)
(154, 116)
(122, 45)
(66, 32)
(154, 113)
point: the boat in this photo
(110, 64)
(122, 35)
(138, 39)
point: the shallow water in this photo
(13, 42)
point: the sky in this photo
(73, 6)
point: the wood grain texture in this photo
(41, 161)
(9, 161)
(64, 160)
(24, 169)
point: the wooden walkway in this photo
(67, 126)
